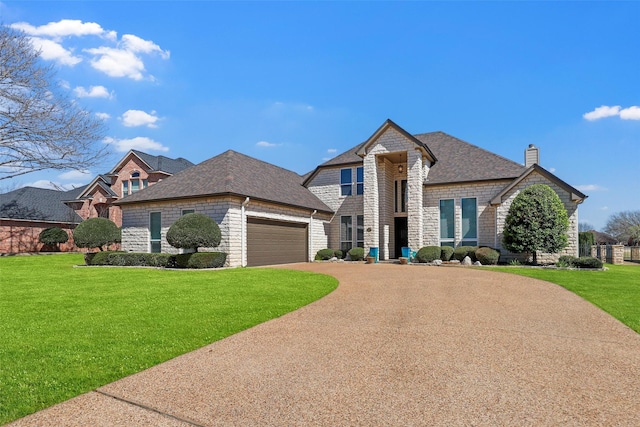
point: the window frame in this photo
(152, 240)
(187, 211)
(125, 188)
(447, 240)
(468, 240)
(359, 180)
(360, 231)
(346, 186)
(346, 234)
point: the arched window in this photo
(135, 174)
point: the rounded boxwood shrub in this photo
(356, 254)
(487, 256)
(193, 231)
(446, 252)
(338, 254)
(567, 261)
(428, 254)
(201, 260)
(462, 251)
(325, 254)
(96, 233)
(587, 262)
(53, 236)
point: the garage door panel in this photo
(275, 242)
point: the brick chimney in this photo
(531, 156)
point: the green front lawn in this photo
(65, 330)
(616, 291)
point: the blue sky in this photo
(294, 83)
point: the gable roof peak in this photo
(364, 148)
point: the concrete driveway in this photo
(397, 346)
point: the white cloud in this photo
(631, 113)
(552, 170)
(332, 151)
(103, 116)
(602, 112)
(136, 44)
(133, 118)
(591, 187)
(115, 58)
(141, 143)
(74, 174)
(52, 185)
(93, 92)
(266, 144)
(604, 208)
(54, 51)
(117, 62)
(64, 28)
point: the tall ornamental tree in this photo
(537, 221)
(40, 127)
(96, 233)
(193, 231)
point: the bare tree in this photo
(585, 226)
(624, 225)
(40, 128)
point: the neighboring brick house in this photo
(136, 171)
(394, 190)
(25, 212)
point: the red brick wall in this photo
(22, 236)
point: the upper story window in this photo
(360, 180)
(134, 184)
(346, 181)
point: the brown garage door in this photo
(275, 242)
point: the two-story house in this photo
(390, 191)
(25, 212)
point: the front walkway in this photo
(394, 345)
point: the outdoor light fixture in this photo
(400, 168)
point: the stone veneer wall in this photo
(379, 193)
(611, 254)
(226, 211)
(483, 192)
(326, 186)
(572, 211)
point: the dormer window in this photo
(133, 184)
(135, 174)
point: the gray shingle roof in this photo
(235, 174)
(164, 164)
(38, 204)
(457, 160)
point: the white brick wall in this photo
(483, 192)
(227, 212)
(565, 197)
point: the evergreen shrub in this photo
(428, 254)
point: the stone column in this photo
(371, 204)
(415, 208)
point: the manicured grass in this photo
(616, 291)
(65, 330)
